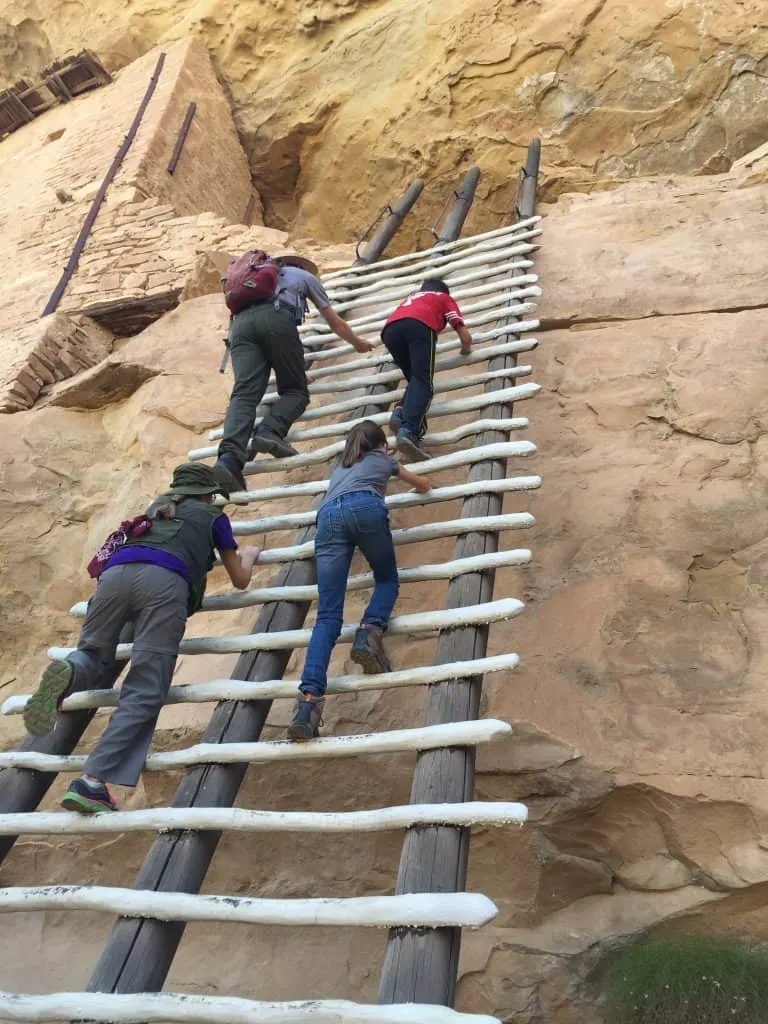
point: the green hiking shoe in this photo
(42, 707)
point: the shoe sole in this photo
(81, 804)
(411, 449)
(265, 446)
(42, 707)
(369, 663)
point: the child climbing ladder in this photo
(352, 515)
(410, 334)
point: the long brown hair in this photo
(364, 437)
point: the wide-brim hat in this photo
(292, 259)
(198, 478)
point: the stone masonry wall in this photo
(51, 169)
(143, 249)
(212, 172)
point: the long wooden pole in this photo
(139, 953)
(53, 302)
(391, 225)
(422, 966)
(454, 219)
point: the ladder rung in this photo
(238, 819)
(412, 910)
(183, 1008)
(272, 689)
(428, 737)
(418, 622)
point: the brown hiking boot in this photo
(368, 650)
(307, 718)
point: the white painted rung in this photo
(413, 910)
(295, 520)
(386, 376)
(443, 260)
(400, 625)
(492, 274)
(303, 433)
(237, 599)
(496, 273)
(428, 737)
(491, 317)
(182, 1008)
(504, 397)
(237, 819)
(480, 352)
(409, 535)
(387, 397)
(386, 294)
(390, 397)
(393, 291)
(341, 428)
(436, 464)
(272, 689)
(486, 238)
(475, 314)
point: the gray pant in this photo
(154, 601)
(263, 338)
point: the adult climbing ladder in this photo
(471, 419)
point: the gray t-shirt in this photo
(295, 286)
(371, 473)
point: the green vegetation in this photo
(688, 981)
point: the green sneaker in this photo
(42, 707)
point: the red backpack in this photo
(251, 278)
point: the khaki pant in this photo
(154, 602)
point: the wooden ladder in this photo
(490, 275)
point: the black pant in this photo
(262, 338)
(412, 346)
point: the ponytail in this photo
(168, 508)
(364, 437)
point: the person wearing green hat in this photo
(150, 584)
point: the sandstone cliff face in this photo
(341, 102)
(640, 700)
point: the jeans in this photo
(356, 520)
(262, 338)
(412, 346)
(154, 601)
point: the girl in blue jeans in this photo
(352, 515)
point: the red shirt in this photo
(435, 309)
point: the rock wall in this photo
(639, 704)
(341, 102)
(640, 700)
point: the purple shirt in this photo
(223, 540)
